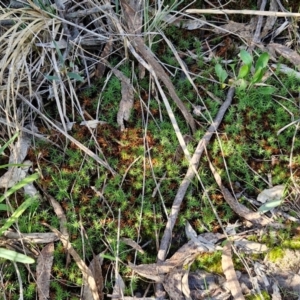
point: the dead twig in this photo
(165, 241)
(257, 36)
(166, 238)
(242, 12)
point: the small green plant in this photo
(242, 81)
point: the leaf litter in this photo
(174, 272)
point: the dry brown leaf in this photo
(183, 256)
(185, 284)
(133, 244)
(95, 267)
(250, 247)
(241, 29)
(232, 282)
(119, 288)
(43, 271)
(150, 271)
(126, 103)
(287, 53)
(19, 151)
(273, 193)
(100, 67)
(173, 284)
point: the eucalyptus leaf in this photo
(60, 56)
(107, 256)
(52, 78)
(11, 165)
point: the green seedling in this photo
(222, 74)
(242, 80)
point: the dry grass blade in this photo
(80, 145)
(64, 238)
(156, 68)
(232, 282)
(86, 272)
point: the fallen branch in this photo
(166, 239)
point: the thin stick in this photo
(242, 12)
(256, 37)
(165, 241)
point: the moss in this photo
(291, 244)
(275, 254)
(264, 295)
(210, 262)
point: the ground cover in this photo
(119, 205)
